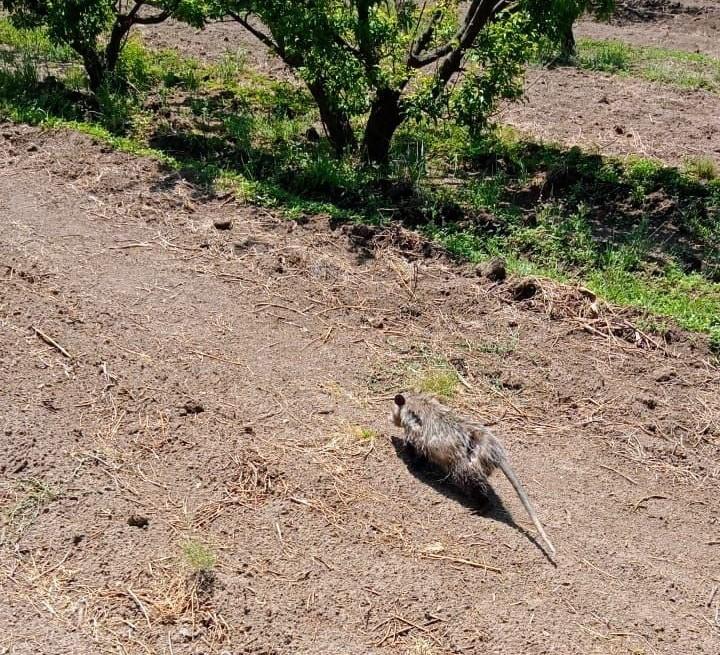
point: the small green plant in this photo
(32, 495)
(198, 557)
(364, 433)
(607, 57)
(702, 168)
(438, 378)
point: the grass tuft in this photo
(607, 57)
(702, 168)
(198, 557)
(27, 498)
(438, 378)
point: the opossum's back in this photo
(446, 444)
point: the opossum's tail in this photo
(510, 475)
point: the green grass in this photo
(702, 168)
(33, 44)
(363, 433)
(637, 232)
(32, 496)
(198, 557)
(438, 378)
(688, 70)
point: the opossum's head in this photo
(398, 403)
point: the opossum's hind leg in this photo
(474, 486)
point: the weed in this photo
(608, 57)
(31, 496)
(438, 378)
(363, 433)
(702, 168)
(198, 557)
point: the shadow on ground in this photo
(487, 504)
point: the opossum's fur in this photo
(465, 450)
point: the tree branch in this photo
(133, 12)
(477, 17)
(260, 36)
(152, 20)
(423, 41)
(363, 33)
(417, 61)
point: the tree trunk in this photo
(568, 49)
(94, 67)
(337, 124)
(117, 36)
(385, 117)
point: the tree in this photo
(400, 59)
(98, 29)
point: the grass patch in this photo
(637, 232)
(605, 56)
(702, 168)
(26, 500)
(438, 378)
(363, 433)
(198, 557)
(687, 70)
(31, 44)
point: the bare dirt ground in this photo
(691, 26)
(618, 116)
(231, 388)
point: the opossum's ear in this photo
(399, 400)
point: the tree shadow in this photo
(650, 11)
(551, 202)
(654, 214)
(487, 504)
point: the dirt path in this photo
(291, 338)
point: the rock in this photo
(494, 270)
(192, 407)
(138, 521)
(665, 375)
(222, 224)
